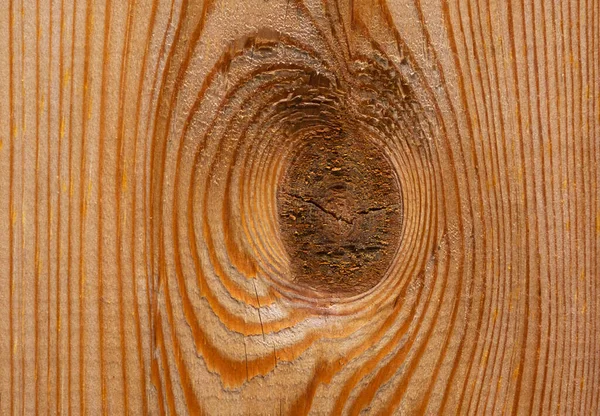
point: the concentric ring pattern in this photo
(224, 264)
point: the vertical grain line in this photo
(22, 214)
(151, 293)
(119, 167)
(70, 231)
(48, 208)
(99, 241)
(462, 89)
(59, 216)
(141, 361)
(523, 187)
(37, 205)
(83, 201)
(11, 200)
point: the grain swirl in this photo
(226, 192)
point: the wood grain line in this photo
(299, 207)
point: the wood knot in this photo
(339, 207)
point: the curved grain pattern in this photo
(299, 207)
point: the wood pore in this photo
(265, 207)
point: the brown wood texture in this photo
(170, 169)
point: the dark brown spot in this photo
(340, 216)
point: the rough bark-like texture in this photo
(339, 208)
(153, 153)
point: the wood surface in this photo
(268, 207)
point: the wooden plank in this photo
(299, 207)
